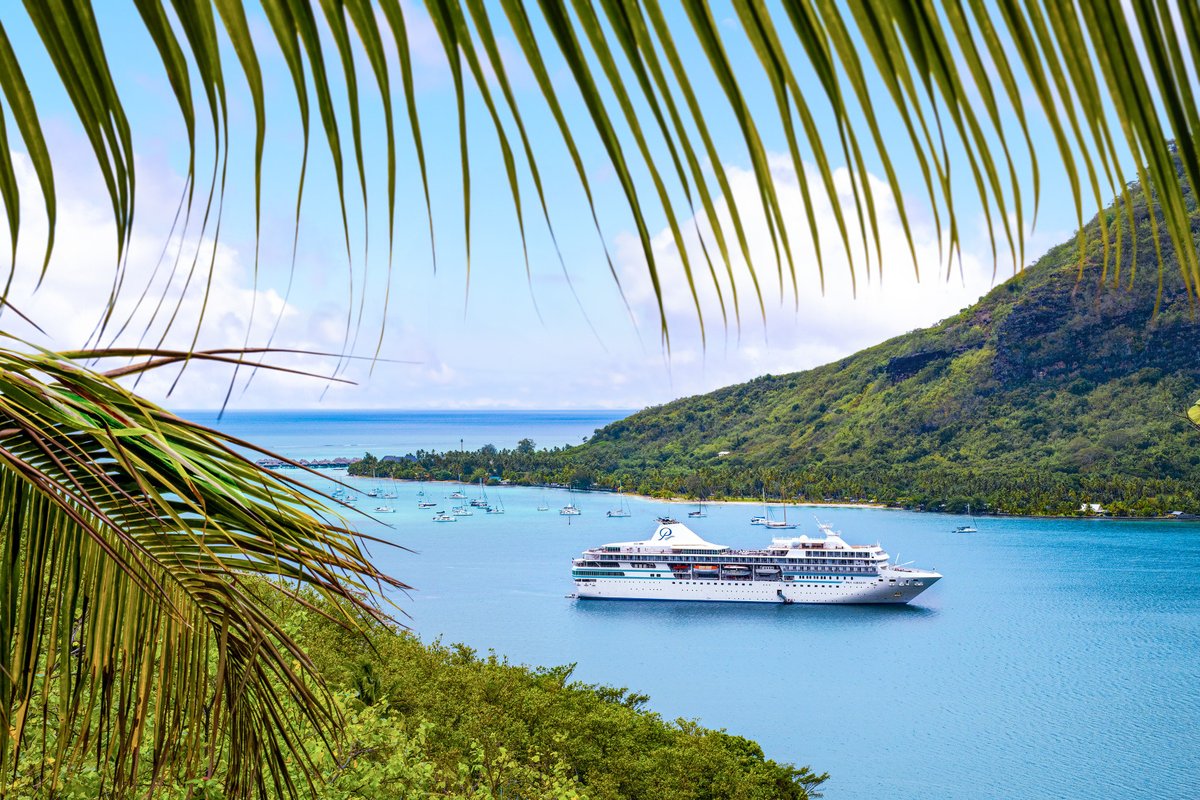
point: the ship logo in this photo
(664, 533)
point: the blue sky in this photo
(499, 339)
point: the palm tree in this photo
(128, 533)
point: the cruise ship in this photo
(674, 563)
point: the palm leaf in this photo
(1193, 414)
(954, 72)
(130, 540)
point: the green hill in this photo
(1059, 387)
(1053, 389)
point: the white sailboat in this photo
(622, 509)
(482, 500)
(777, 524)
(378, 491)
(969, 528)
(543, 505)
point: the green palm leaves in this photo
(130, 629)
(1193, 414)
(954, 86)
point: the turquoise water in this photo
(1057, 658)
(330, 434)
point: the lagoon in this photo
(1057, 658)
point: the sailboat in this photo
(622, 509)
(776, 524)
(383, 508)
(969, 528)
(543, 506)
(496, 507)
(699, 512)
(481, 501)
(570, 509)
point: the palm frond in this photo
(1193, 414)
(130, 544)
(1112, 84)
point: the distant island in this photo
(1039, 399)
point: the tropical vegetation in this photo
(129, 535)
(431, 720)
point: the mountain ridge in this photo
(1055, 371)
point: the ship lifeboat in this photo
(705, 568)
(679, 567)
(767, 570)
(737, 570)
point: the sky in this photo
(545, 334)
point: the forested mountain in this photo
(1055, 378)
(1060, 386)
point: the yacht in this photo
(442, 516)
(675, 563)
(570, 510)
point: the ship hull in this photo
(849, 591)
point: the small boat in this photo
(622, 509)
(778, 524)
(373, 493)
(496, 509)
(543, 506)
(456, 495)
(442, 516)
(969, 528)
(759, 520)
(570, 510)
(767, 570)
(679, 567)
(699, 512)
(384, 510)
(462, 511)
(426, 504)
(736, 569)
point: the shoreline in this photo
(807, 504)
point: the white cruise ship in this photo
(676, 564)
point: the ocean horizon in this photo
(350, 433)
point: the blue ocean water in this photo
(1057, 658)
(331, 434)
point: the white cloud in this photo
(498, 357)
(808, 325)
(70, 303)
